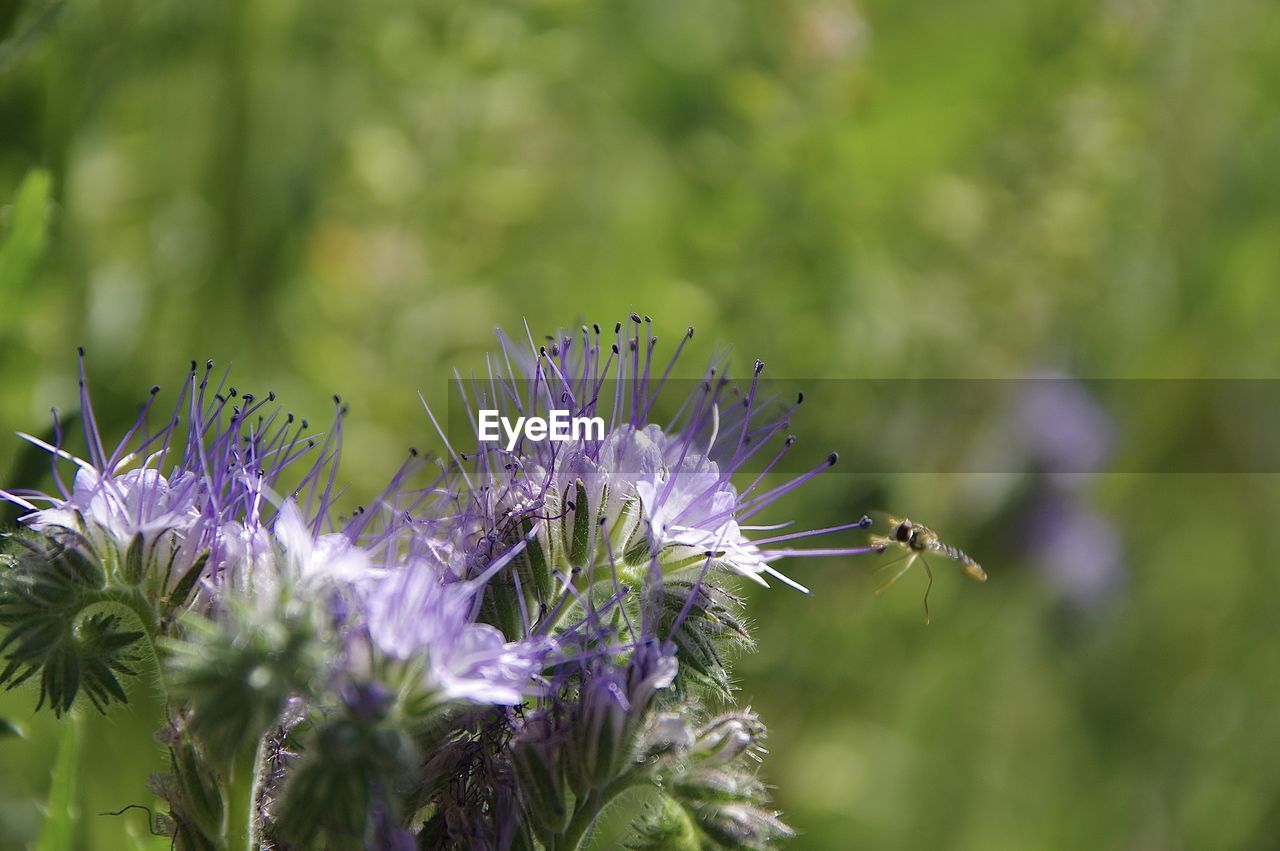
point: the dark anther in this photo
(413, 451)
(633, 345)
(689, 333)
(248, 398)
(617, 326)
(595, 326)
(271, 395)
(306, 424)
(865, 521)
(80, 350)
(799, 397)
(615, 348)
(288, 418)
(791, 439)
(155, 388)
(832, 459)
(759, 366)
(647, 319)
(542, 351)
(337, 400)
(193, 366)
(311, 444)
(573, 506)
(635, 317)
(208, 364)
(231, 391)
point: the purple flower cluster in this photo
(205, 488)
(527, 631)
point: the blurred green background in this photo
(348, 197)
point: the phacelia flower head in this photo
(201, 489)
(649, 494)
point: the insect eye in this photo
(903, 532)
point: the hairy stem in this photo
(584, 817)
(241, 794)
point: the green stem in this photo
(241, 827)
(137, 604)
(584, 817)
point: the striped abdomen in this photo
(970, 566)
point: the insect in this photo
(916, 540)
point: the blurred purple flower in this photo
(1079, 551)
(1064, 427)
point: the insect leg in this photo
(911, 559)
(887, 563)
(928, 570)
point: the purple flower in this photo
(654, 495)
(206, 486)
(1063, 426)
(1078, 550)
(113, 511)
(418, 612)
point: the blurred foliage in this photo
(349, 197)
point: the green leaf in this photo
(61, 813)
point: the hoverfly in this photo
(916, 540)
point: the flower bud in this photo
(539, 765)
(601, 748)
(728, 737)
(667, 734)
